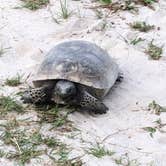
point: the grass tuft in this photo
(126, 161)
(141, 26)
(8, 104)
(156, 108)
(25, 155)
(35, 4)
(2, 51)
(55, 116)
(136, 40)
(51, 142)
(14, 81)
(65, 13)
(149, 2)
(151, 130)
(107, 2)
(154, 51)
(99, 151)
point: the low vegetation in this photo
(2, 50)
(150, 130)
(156, 108)
(124, 160)
(154, 51)
(8, 104)
(64, 13)
(99, 151)
(148, 2)
(129, 5)
(35, 4)
(136, 40)
(14, 81)
(30, 145)
(55, 116)
(141, 26)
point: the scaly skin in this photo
(83, 99)
(38, 95)
(87, 101)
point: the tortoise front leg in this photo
(87, 101)
(37, 95)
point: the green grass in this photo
(51, 142)
(151, 130)
(55, 116)
(60, 154)
(2, 153)
(65, 13)
(35, 4)
(14, 81)
(71, 163)
(154, 106)
(136, 40)
(27, 144)
(24, 155)
(2, 50)
(154, 51)
(8, 104)
(100, 151)
(106, 1)
(124, 160)
(129, 5)
(149, 2)
(26, 147)
(141, 26)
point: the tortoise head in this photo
(65, 89)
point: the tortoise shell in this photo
(81, 62)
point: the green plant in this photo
(51, 142)
(54, 116)
(99, 13)
(124, 160)
(2, 153)
(35, 4)
(24, 155)
(136, 41)
(151, 130)
(14, 81)
(106, 1)
(129, 5)
(64, 9)
(71, 162)
(8, 104)
(141, 26)
(100, 151)
(2, 50)
(60, 154)
(154, 51)
(156, 107)
(147, 2)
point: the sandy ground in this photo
(28, 35)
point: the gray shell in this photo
(79, 61)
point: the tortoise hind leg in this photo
(87, 101)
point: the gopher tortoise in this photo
(77, 73)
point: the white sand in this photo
(29, 35)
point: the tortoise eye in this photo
(69, 90)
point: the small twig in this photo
(115, 133)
